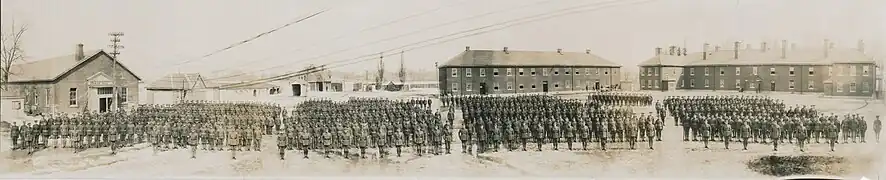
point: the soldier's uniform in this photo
(877, 127)
(113, 137)
(233, 141)
(464, 136)
(727, 134)
(801, 137)
(447, 138)
(745, 134)
(400, 139)
(305, 140)
(327, 143)
(706, 133)
(832, 132)
(631, 134)
(193, 140)
(15, 133)
(346, 142)
(282, 141)
(649, 134)
(775, 135)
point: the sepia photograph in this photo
(442, 89)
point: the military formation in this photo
(364, 124)
(757, 119)
(80, 131)
(494, 123)
(616, 98)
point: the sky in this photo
(160, 35)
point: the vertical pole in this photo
(115, 40)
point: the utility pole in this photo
(115, 46)
(402, 73)
(381, 71)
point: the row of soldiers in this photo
(492, 123)
(622, 98)
(333, 127)
(78, 131)
(760, 120)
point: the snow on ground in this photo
(671, 158)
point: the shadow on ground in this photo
(797, 165)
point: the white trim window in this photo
(556, 85)
(521, 87)
(655, 71)
(510, 85)
(510, 71)
(656, 83)
(72, 97)
(707, 83)
(454, 72)
(532, 71)
(124, 94)
(811, 71)
(839, 87)
(722, 71)
(495, 86)
(737, 83)
(752, 85)
(482, 72)
(47, 99)
(544, 71)
(830, 70)
(852, 87)
(865, 87)
(755, 70)
(811, 85)
(455, 87)
(587, 71)
(566, 71)
(722, 83)
(683, 83)
(567, 84)
(791, 84)
(692, 71)
(520, 71)
(468, 87)
(467, 72)
(852, 70)
(772, 71)
(692, 83)
(707, 71)
(606, 71)
(577, 71)
(596, 71)
(738, 71)
(494, 72)
(791, 71)
(578, 84)
(556, 71)
(841, 71)
(866, 70)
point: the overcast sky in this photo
(161, 33)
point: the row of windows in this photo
(72, 94)
(495, 86)
(791, 71)
(791, 85)
(545, 71)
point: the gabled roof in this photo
(181, 81)
(479, 58)
(759, 57)
(52, 69)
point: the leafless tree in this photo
(11, 51)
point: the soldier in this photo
(659, 126)
(726, 134)
(584, 131)
(832, 133)
(567, 131)
(193, 140)
(15, 133)
(27, 137)
(205, 139)
(631, 133)
(539, 135)
(282, 141)
(400, 138)
(233, 140)
(447, 138)
(877, 127)
(745, 134)
(305, 139)
(464, 136)
(257, 135)
(327, 143)
(555, 135)
(775, 134)
(346, 141)
(649, 134)
(705, 133)
(801, 137)
(113, 137)
(862, 128)
(602, 134)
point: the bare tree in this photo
(11, 50)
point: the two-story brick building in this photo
(505, 71)
(828, 70)
(73, 83)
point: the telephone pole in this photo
(381, 71)
(402, 72)
(115, 46)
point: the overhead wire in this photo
(520, 21)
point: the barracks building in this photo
(829, 70)
(505, 71)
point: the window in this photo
(105, 90)
(495, 86)
(830, 71)
(772, 71)
(16, 105)
(656, 83)
(468, 87)
(532, 71)
(577, 72)
(839, 87)
(755, 70)
(566, 71)
(520, 71)
(737, 83)
(615, 71)
(811, 85)
(454, 87)
(511, 86)
(852, 70)
(557, 85)
(791, 71)
(865, 87)
(692, 83)
(645, 84)
(737, 70)
(752, 85)
(851, 87)
(707, 71)
(597, 71)
(511, 72)
(544, 71)
(606, 72)
(521, 87)
(841, 71)
(587, 71)
(123, 95)
(46, 98)
(533, 86)
(645, 72)
(482, 72)
(556, 71)
(494, 72)
(722, 83)
(683, 83)
(454, 72)
(468, 72)
(692, 71)
(707, 83)
(722, 71)
(568, 84)
(578, 84)
(811, 71)
(655, 71)
(865, 70)
(791, 84)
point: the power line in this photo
(410, 33)
(539, 17)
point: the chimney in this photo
(684, 52)
(78, 53)
(784, 49)
(763, 47)
(827, 47)
(735, 49)
(657, 51)
(861, 46)
(560, 51)
(671, 50)
(587, 51)
(706, 50)
(679, 51)
(505, 50)
(467, 48)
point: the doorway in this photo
(296, 90)
(771, 85)
(104, 104)
(544, 86)
(597, 85)
(320, 87)
(483, 88)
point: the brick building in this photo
(504, 71)
(73, 83)
(828, 70)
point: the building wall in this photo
(78, 79)
(840, 74)
(468, 80)
(655, 77)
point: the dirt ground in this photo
(672, 158)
